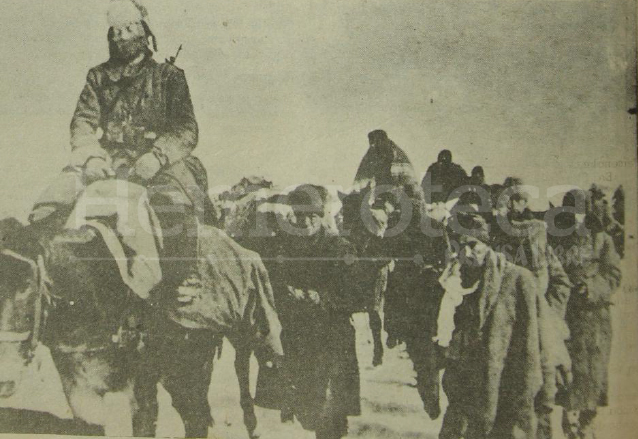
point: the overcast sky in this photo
(289, 89)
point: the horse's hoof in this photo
(255, 434)
(377, 361)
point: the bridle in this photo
(45, 300)
(40, 278)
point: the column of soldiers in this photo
(531, 320)
(531, 325)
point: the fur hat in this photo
(123, 12)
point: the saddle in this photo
(119, 211)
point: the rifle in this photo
(172, 59)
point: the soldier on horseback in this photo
(134, 120)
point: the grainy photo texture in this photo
(319, 219)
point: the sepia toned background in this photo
(289, 89)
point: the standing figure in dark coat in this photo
(442, 178)
(318, 335)
(412, 299)
(477, 176)
(493, 371)
(387, 167)
(603, 210)
(593, 266)
(134, 120)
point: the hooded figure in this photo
(387, 168)
(442, 178)
(593, 266)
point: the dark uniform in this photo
(442, 178)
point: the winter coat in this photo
(387, 165)
(441, 180)
(315, 293)
(141, 108)
(136, 108)
(525, 244)
(593, 266)
(494, 369)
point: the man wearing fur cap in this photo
(493, 367)
(134, 120)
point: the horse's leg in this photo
(242, 369)
(186, 377)
(145, 391)
(376, 327)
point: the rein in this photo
(42, 281)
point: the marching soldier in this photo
(593, 266)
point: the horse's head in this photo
(20, 313)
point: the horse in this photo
(20, 316)
(74, 306)
(63, 288)
(233, 299)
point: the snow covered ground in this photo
(390, 404)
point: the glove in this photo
(96, 168)
(147, 166)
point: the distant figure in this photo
(442, 178)
(477, 176)
(479, 193)
(618, 213)
(602, 208)
(385, 164)
(619, 205)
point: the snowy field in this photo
(390, 403)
